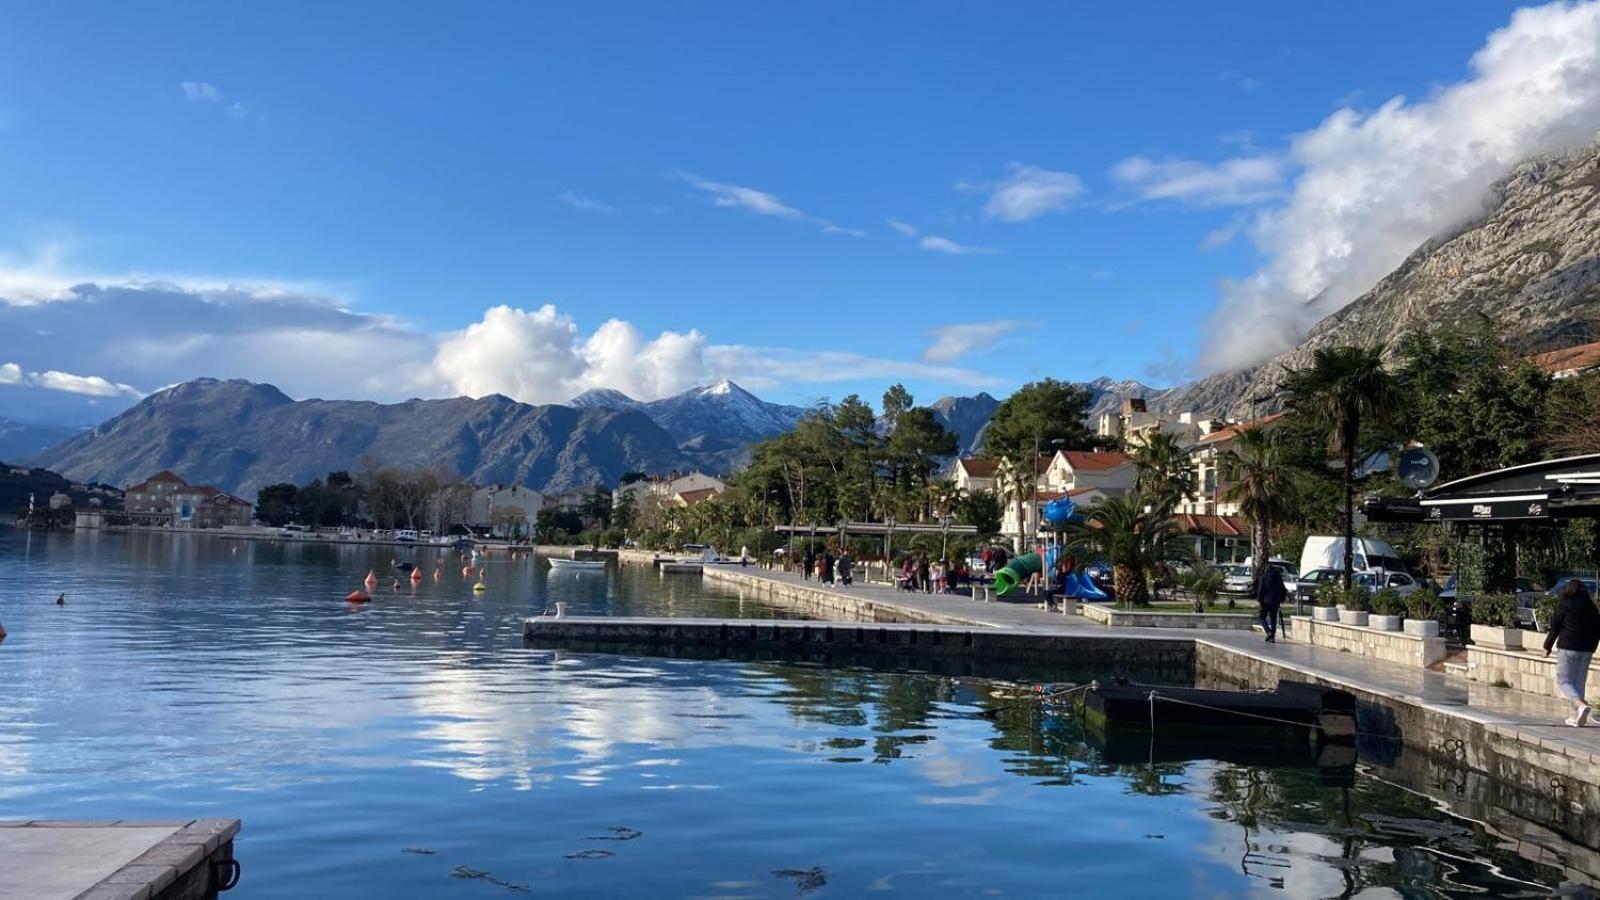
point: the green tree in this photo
(1263, 484)
(915, 451)
(1035, 417)
(1471, 400)
(1163, 470)
(275, 504)
(1136, 543)
(1344, 387)
(896, 400)
(981, 510)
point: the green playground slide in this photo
(1009, 577)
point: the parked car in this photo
(1527, 590)
(1237, 579)
(1561, 584)
(1306, 586)
(1372, 582)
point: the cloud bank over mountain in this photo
(1371, 186)
(96, 343)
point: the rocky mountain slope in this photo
(1531, 265)
(241, 436)
(713, 425)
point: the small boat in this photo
(680, 566)
(558, 564)
(1298, 705)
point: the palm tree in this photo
(1136, 543)
(1346, 386)
(1163, 470)
(1261, 482)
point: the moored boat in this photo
(559, 564)
(1329, 712)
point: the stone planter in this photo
(1383, 623)
(1423, 628)
(1352, 617)
(1497, 637)
(1325, 613)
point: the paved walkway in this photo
(1529, 717)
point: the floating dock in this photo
(188, 859)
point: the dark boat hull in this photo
(1293, 705)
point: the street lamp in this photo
(888, 544)
(944, 532)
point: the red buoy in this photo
(466, 571)
(358, 597)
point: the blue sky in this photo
(424, 164)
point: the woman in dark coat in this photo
(1574, 633)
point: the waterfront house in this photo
(1218, 540)
(166, 499)
(1086, 476)
(1135, 424)
(976, 474)
(504, 509)
(1211, 487)
(668, 489)
(694, 497)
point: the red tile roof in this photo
(979, 466)
(1216, 526)
(1092, 461)
(699, 495)
(1583, 356)
(1233, 431)
(162, 477)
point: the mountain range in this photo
(1530, 264)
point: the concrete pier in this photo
(115, 860)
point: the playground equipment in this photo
(1016, 572)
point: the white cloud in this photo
(587, 204)
(200, 90)
(89, 385)
(311, 343)
(1028, 192)
(1373, 186)
(52, 380)
(761, 203)
(1240, 181)
(205, 92)
(951, 342)
(938, 244)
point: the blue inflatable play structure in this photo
(1062, 511)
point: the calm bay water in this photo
(415, 748)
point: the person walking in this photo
(844, 567)
(825, 568)
(1574, 633)
(808, 562)
(1270, 594)
(924, 580)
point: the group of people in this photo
(827, 567)
(918, 573)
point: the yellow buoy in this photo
(480, 586)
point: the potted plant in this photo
(1424, 609)
(1329, 596)
(1355, 607)
(1494, 622)
(1387, 608)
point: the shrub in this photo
(1388, 602)
(1495, 609)
(1424, 605)
(1331, 594)
(1544, 612)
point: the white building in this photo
(1086, 476)
(692, 487)
(1211, 487)
(1135, 424)
(505, 508)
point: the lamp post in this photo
(888, 544)
(1054, 442)
(944, 536)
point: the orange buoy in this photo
(437, 574)
(416, 574)
(466, 571)
(372, 578)
(358, 597)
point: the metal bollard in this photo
(561, 609)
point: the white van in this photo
(1369, 555)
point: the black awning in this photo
(1546, 491)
